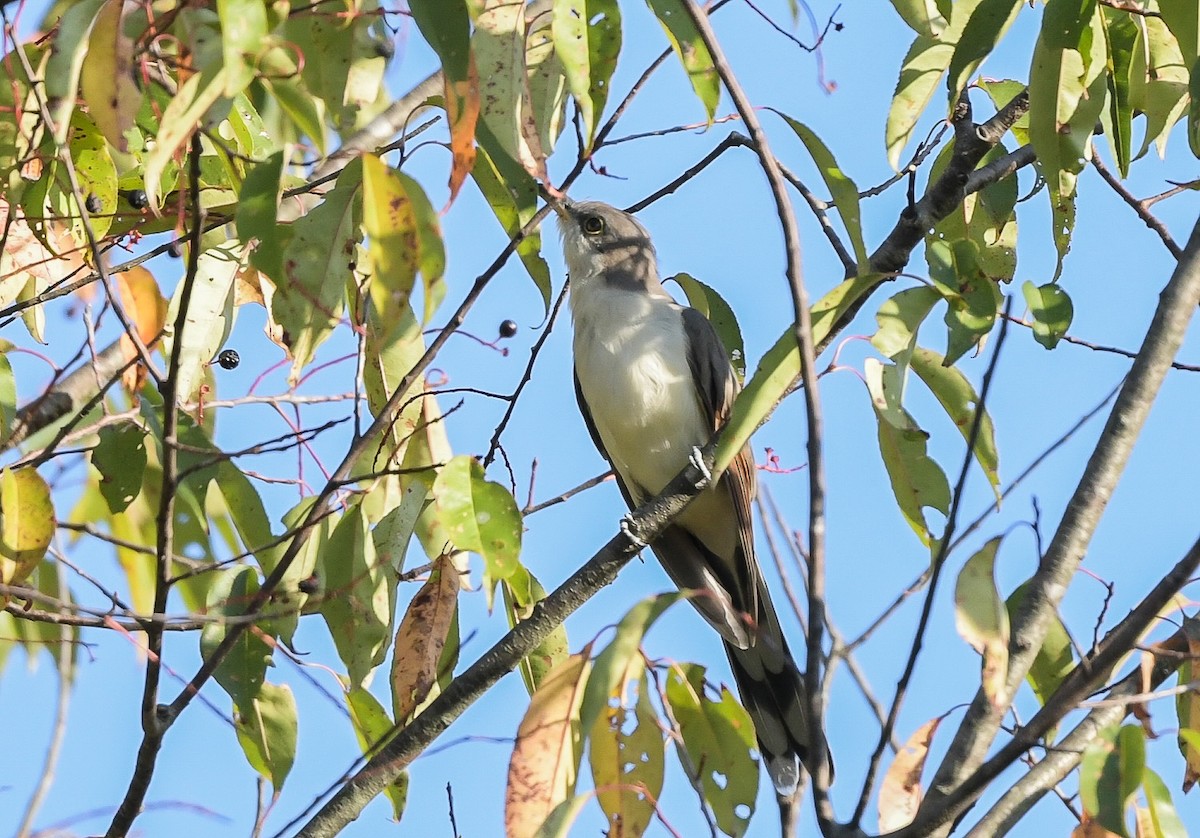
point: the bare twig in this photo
(1150, 219)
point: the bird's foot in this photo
(627, 528)
(696, 458)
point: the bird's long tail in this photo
(773, 693)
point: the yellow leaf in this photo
(147, 310)
(900, 794)
(26, 523)
(106, 81)
(545, 759)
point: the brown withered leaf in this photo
(901, 794)
(421, 637)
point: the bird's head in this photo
(602, 242)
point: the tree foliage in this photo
(258, 142)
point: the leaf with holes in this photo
(718, 740)
(627, 757)
(1052, 312)
(587, 39)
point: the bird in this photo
(654, 383)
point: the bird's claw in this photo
(696, 458)
(627, 528)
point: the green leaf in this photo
(357, 588)
(1126, 68)
(288, 599)
(95, 173)
(393, 345)
(522, 591)
(210, 316)
(922, 16)
(257, 216)
(780, 367)
(1109, 774)
(317, 261)
(1055, 660)
(1001, 92)
(626, 754)
(718, 739)
(479, 515)
(621, 660)
(1162, 811)
(1051, 309)
(973, 298)
(266, 730)
(899, 318)
(988, 23)
(708, 302)
(982, 619)
(843, 189)
(66, 62)
(513, 196)
(1164, 97)
(373, 728)
(920, 72)
(26, 523)
(8, 399)
(917, 481)
(248, 514)
(561, 820)
(587, 39)
(243, 28)
(987, 218)
(546, 83)
(243, 670)
(405, 237)
(1067, 90)
(120, 457)
(958, 398)
(691, 51)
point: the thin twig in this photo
(1150, 219)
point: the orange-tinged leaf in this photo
(147, 310)
(900, 794)
(106, 81)
(421, 637)
(462, 109)
(1089, 828)
(26, 523)
(545, 759)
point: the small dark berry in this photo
(174, 250)
(228, 359)
(93, 203)
(507, 329)
(137, 198)
(310, 585)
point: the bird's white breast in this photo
(631, 359)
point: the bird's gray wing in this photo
(717, 386)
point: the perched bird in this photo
(654, 383)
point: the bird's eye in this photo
(593, 225)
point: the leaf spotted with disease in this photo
(421, 638)
(478, 515)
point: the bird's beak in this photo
(561, 206)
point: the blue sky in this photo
(720, 228)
